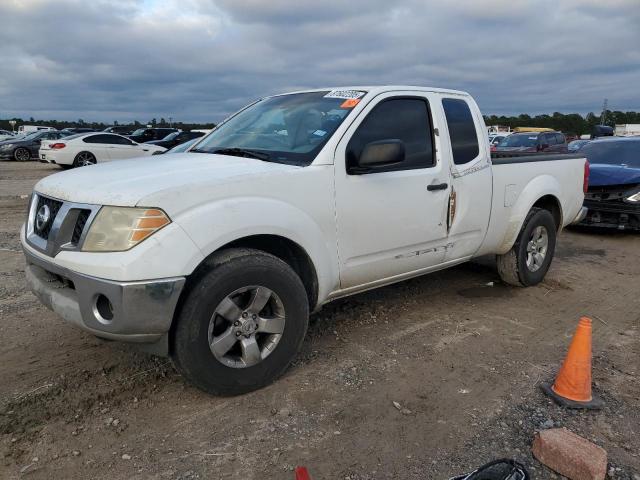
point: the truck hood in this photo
(126, 182)
(601, 174)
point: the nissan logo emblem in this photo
(42, 217)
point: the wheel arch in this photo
(542, 192)
(552, 204)
(279, 246)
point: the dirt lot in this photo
(462, 356)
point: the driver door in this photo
(391, 221)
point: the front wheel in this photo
(529, 259)
(241, 324)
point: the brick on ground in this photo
(570, 455)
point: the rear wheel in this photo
(529, 259)
(22, 154)
(84, 159)
(241, 324)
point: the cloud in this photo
(199, 60)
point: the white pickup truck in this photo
(216, 256)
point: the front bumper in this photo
(620, 215)
(139, 312)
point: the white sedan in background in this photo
(90, 148)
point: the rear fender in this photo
(537, 188)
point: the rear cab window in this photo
(462, 130)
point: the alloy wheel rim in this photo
(87, 159)
(537, 247)
(246, 326)
(22, 155)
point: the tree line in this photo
(60, 124)
(568, 123)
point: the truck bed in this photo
(518, 183)
(503, 158)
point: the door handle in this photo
(437, 186)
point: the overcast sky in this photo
(199, 60)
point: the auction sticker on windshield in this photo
(345, 94)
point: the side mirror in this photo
(379, 154)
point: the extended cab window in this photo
(462, 130)
(404, 119)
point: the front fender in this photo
(215, 224)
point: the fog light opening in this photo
(103, 309)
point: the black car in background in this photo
(143, 135)
(176, 138)
(120, 129)
(25, 148)
(613, 197)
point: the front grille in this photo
(609, 193)
(45, 227)
(81, 222)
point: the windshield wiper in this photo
(243, 152)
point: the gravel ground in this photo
(460, 353)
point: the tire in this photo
(22, 154)
(519, 266)
(84, 159)
(199, 322)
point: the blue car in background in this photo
(613, 197)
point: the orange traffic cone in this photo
(572, 387)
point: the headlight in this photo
(635, 198)
(116, 229)
(6, 146)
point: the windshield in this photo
(286, 128)
(171, 136)
(519, 141)
(32, 135)
(140, 131)
(612, 152)
(577, 144)
(183, 146)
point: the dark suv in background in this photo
(120, 129)
(548, 142)
(143, 135)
